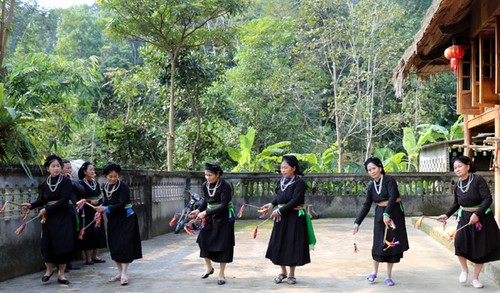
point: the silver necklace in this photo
(54, 187)
(109, 193)
(211, 192)
(92, 185)
(378, 187)
(465, 188)
(284, 186)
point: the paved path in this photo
(171, 263)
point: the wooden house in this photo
(474, 25)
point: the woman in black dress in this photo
(216, 238)
(123, 227)
(472, 201)
(383, 191)
(94, 237)
(289, 242)
(57, 242)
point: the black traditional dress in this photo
(94, 237)
(385, 195)
(477, 244)
(289, 242)
(57, 243)
(216, 238)
(123, 226)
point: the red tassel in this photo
(356, 250)
(3, 207)
(20, 229)
(453, 235)
(97, 219)
(80, 235)
(418, 223)
(240, 212)
(174, 220)
(26, 213)
(80, 204)
(189, 230)
(255, 232)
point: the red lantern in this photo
(454, 53)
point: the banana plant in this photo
(264, 161)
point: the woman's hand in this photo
(265, 208)
(193, 214)
(100, 209)
(276, 215)
(387, 220)
(42, 212)
(355, 229)
(94, 202)
(442, 218)
(201, 215)
(26, 206)
(473, 219)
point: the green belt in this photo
(310, 231)
(473, 207)
(230, 207)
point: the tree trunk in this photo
(170, 135)
(198, 134)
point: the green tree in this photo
(78, 34)
(171, 27)
(17, 145)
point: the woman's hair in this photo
(292, 161)
(51, 159)
(214, 168)
(110, 167)
(377, 162)
(83, 169)
(464, 160)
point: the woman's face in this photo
(461, 169)
(112, 177)
(54, 168)
(90, 173)
(211, 177)
(374, 171)
(287, 170)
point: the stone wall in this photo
(157, 196)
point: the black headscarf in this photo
(83, 169)
(292, 161)
(51, 159)
(110, 167)
(214, 168)
(464, 160)
(377, 162)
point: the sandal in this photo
(279, 278)
(89, 262)
(389, 282)
(124, 281)
(98, 260)
(114, 279)
(371, 278)
(291, 280)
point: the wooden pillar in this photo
(496, 200)
(467, 137)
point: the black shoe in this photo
(46, 278)
(207, 274)
(63, 281)
(221, 282)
